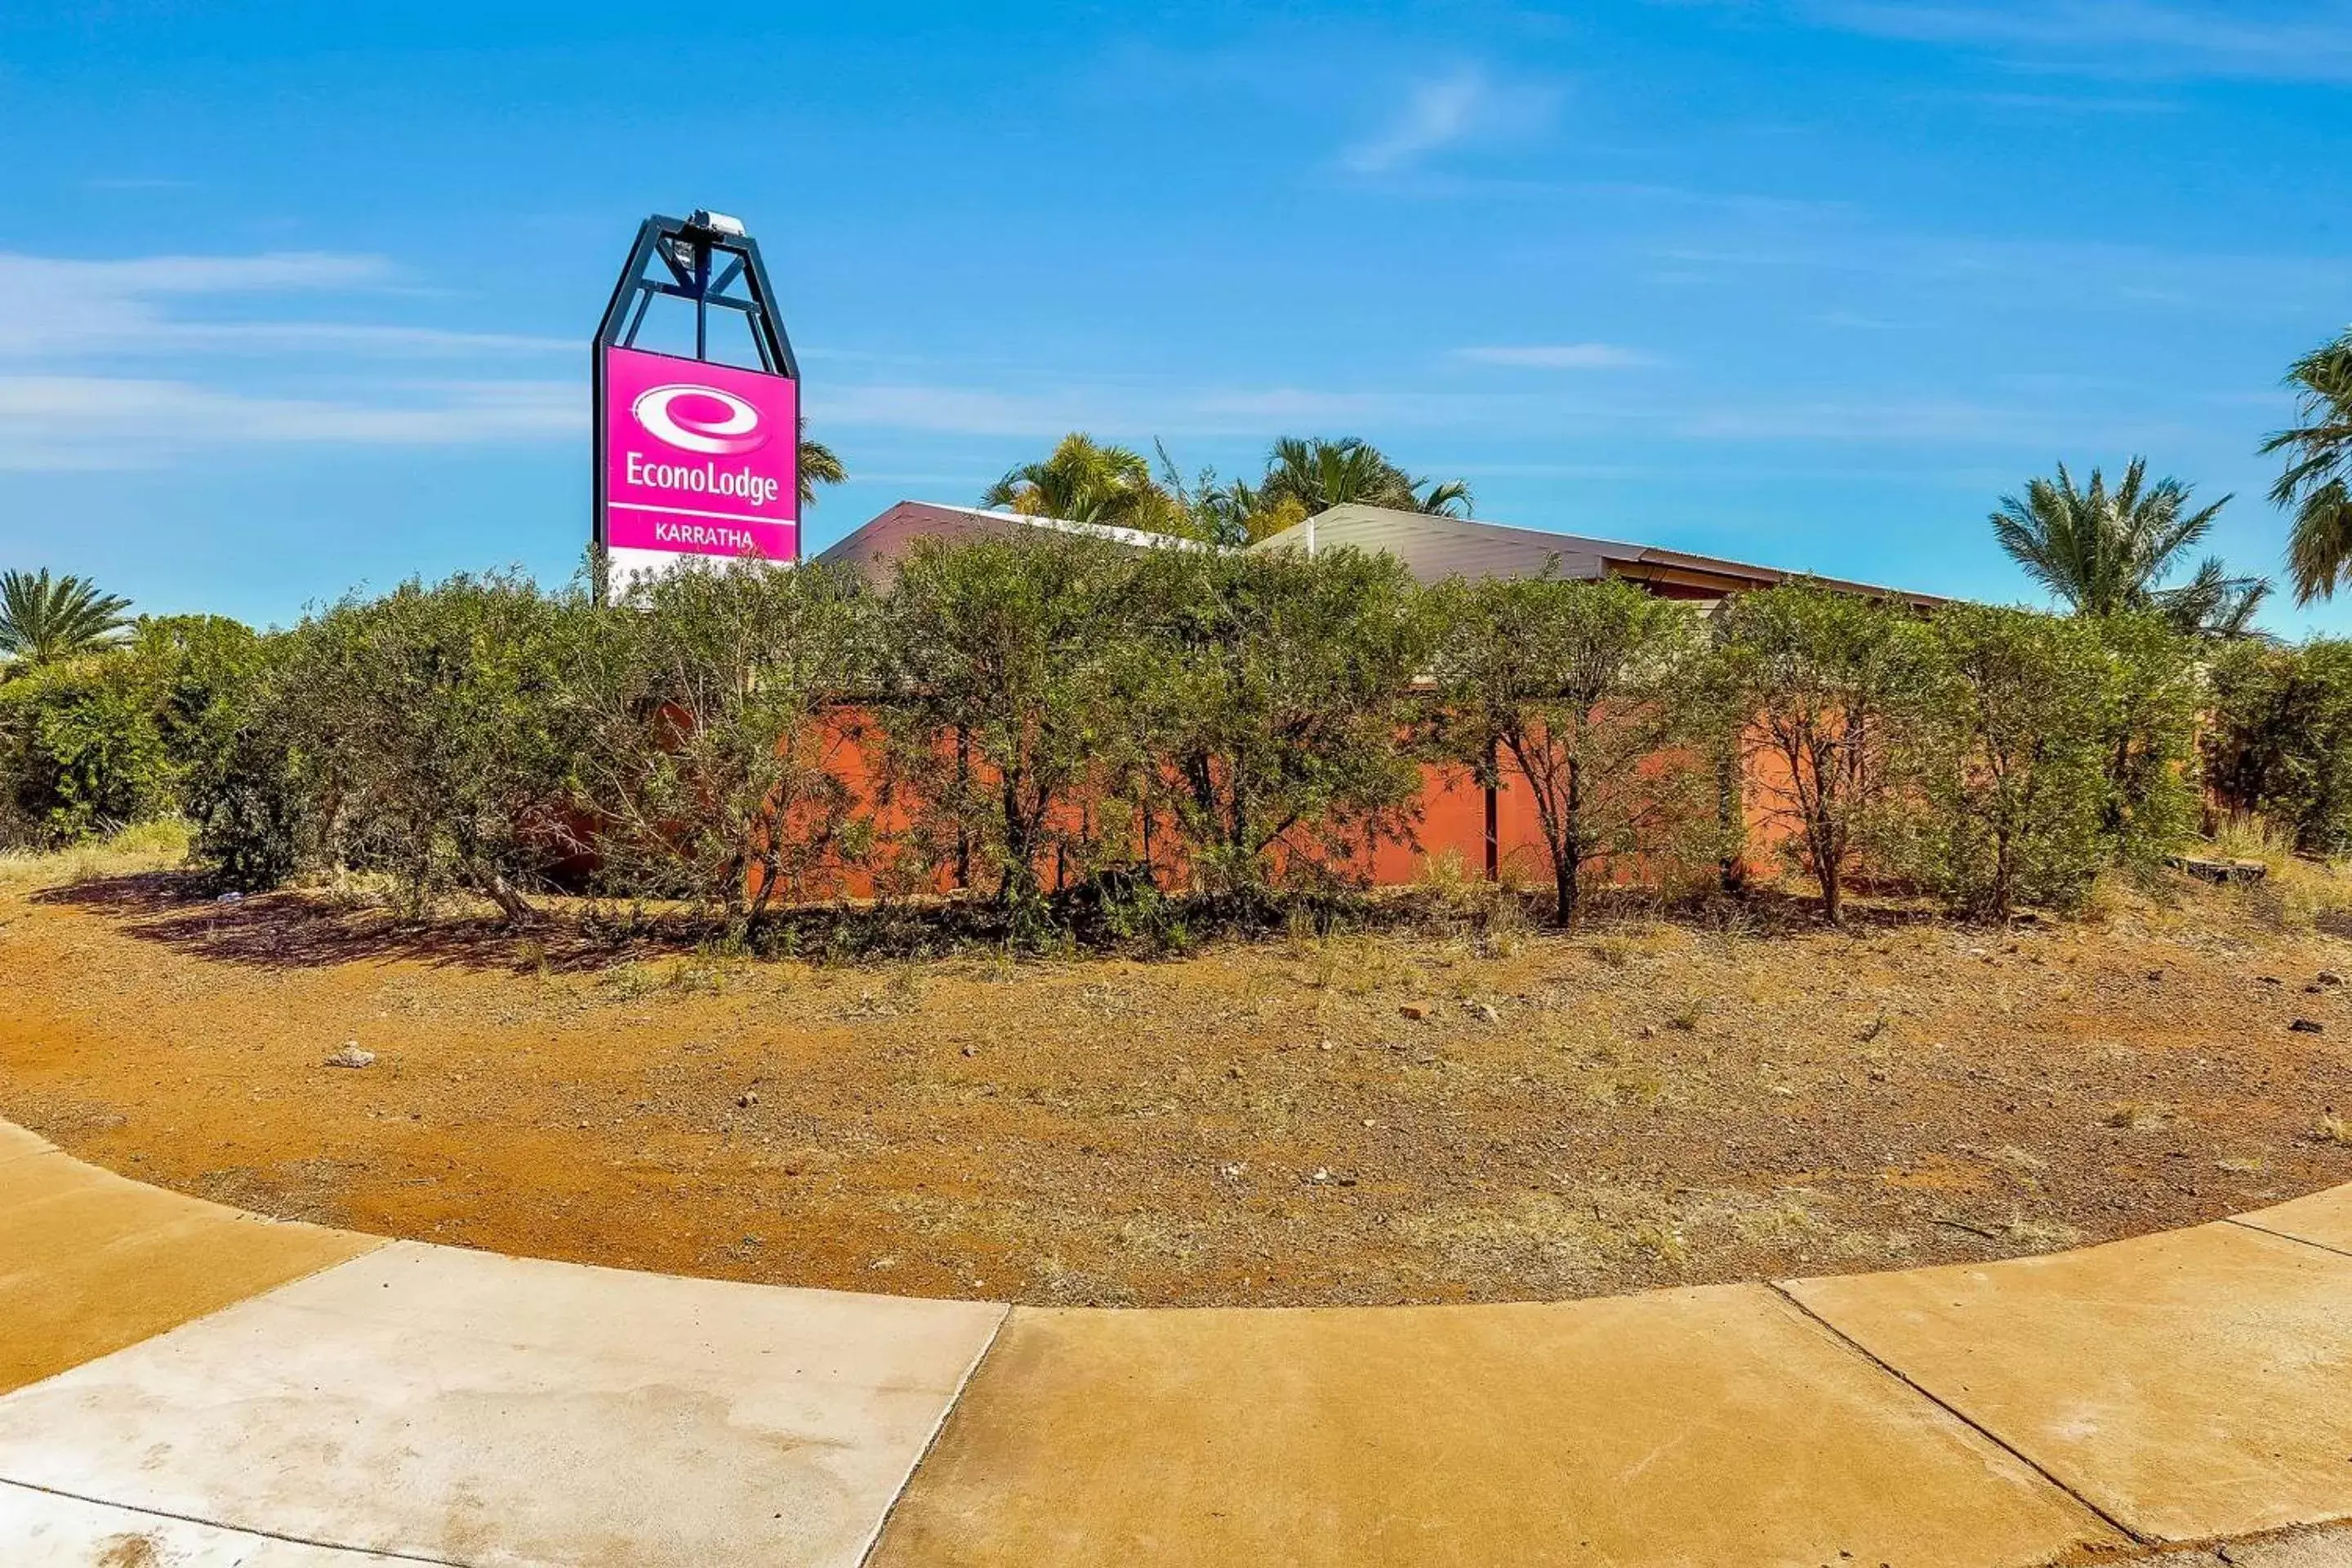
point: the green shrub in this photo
(256, 821)
(1264, 699)
(710, 770)
(98, 740)
(81, 753)
(2154, 689)
(196, 670)
(429, 733)
(2278, 739)
(2007, 792)
(1592, 693)
(995, 661)
(1050, 703)
(1828, 684)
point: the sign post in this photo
(694, 459)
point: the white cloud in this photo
(2011, 423)
(2049, 274)
(1466, 103)
(73, 421)
(1554, 356)
(63, 308)
(69, 326)
(2274, 39)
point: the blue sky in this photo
(294, 298)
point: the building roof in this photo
(871, 550)
(1433, 548)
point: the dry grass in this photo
(2296, 894)
(144, 847)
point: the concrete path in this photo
(1713, 1425)
(2189, 1385)
(181, 1384)
(42, 1528)
(90, 1262)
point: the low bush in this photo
(2278, 739)
(1264, 704)
(1827, 686)
(82, 753)
(709, 771)
(2005, 795)
(98, 741)
(2155, 681)
(1133, 748)
(430, 733)
(995, 697)
(1593, 694)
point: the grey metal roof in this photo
(1433, 548)
(872, 549)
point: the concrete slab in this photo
(41, 1529)
(15, 1143)
(2323, 1218)
(2194, 1385)
(90, 1262)
(481, 1409)
(1703, 1425)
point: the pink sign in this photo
(699, 458)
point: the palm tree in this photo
(2106, 552)
(818, 466)
(1085, 481)
(1449, 498)
(2319, 479)
(43, 619)
(1319, 474)
(1220, 511)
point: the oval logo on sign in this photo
(699, 419)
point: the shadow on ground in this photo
(295, 930)
(298, 928)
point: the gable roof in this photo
(1433, 548)
(871, 550)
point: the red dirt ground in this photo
(1643, 1103)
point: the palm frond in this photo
(2104, 550)
(819, 465)
(44, 618)
(2319, 541)
(1449, 498)
(2319, 544)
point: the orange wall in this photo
(1453, 821)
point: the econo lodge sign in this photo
(700, 460)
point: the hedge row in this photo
(1051, 721)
